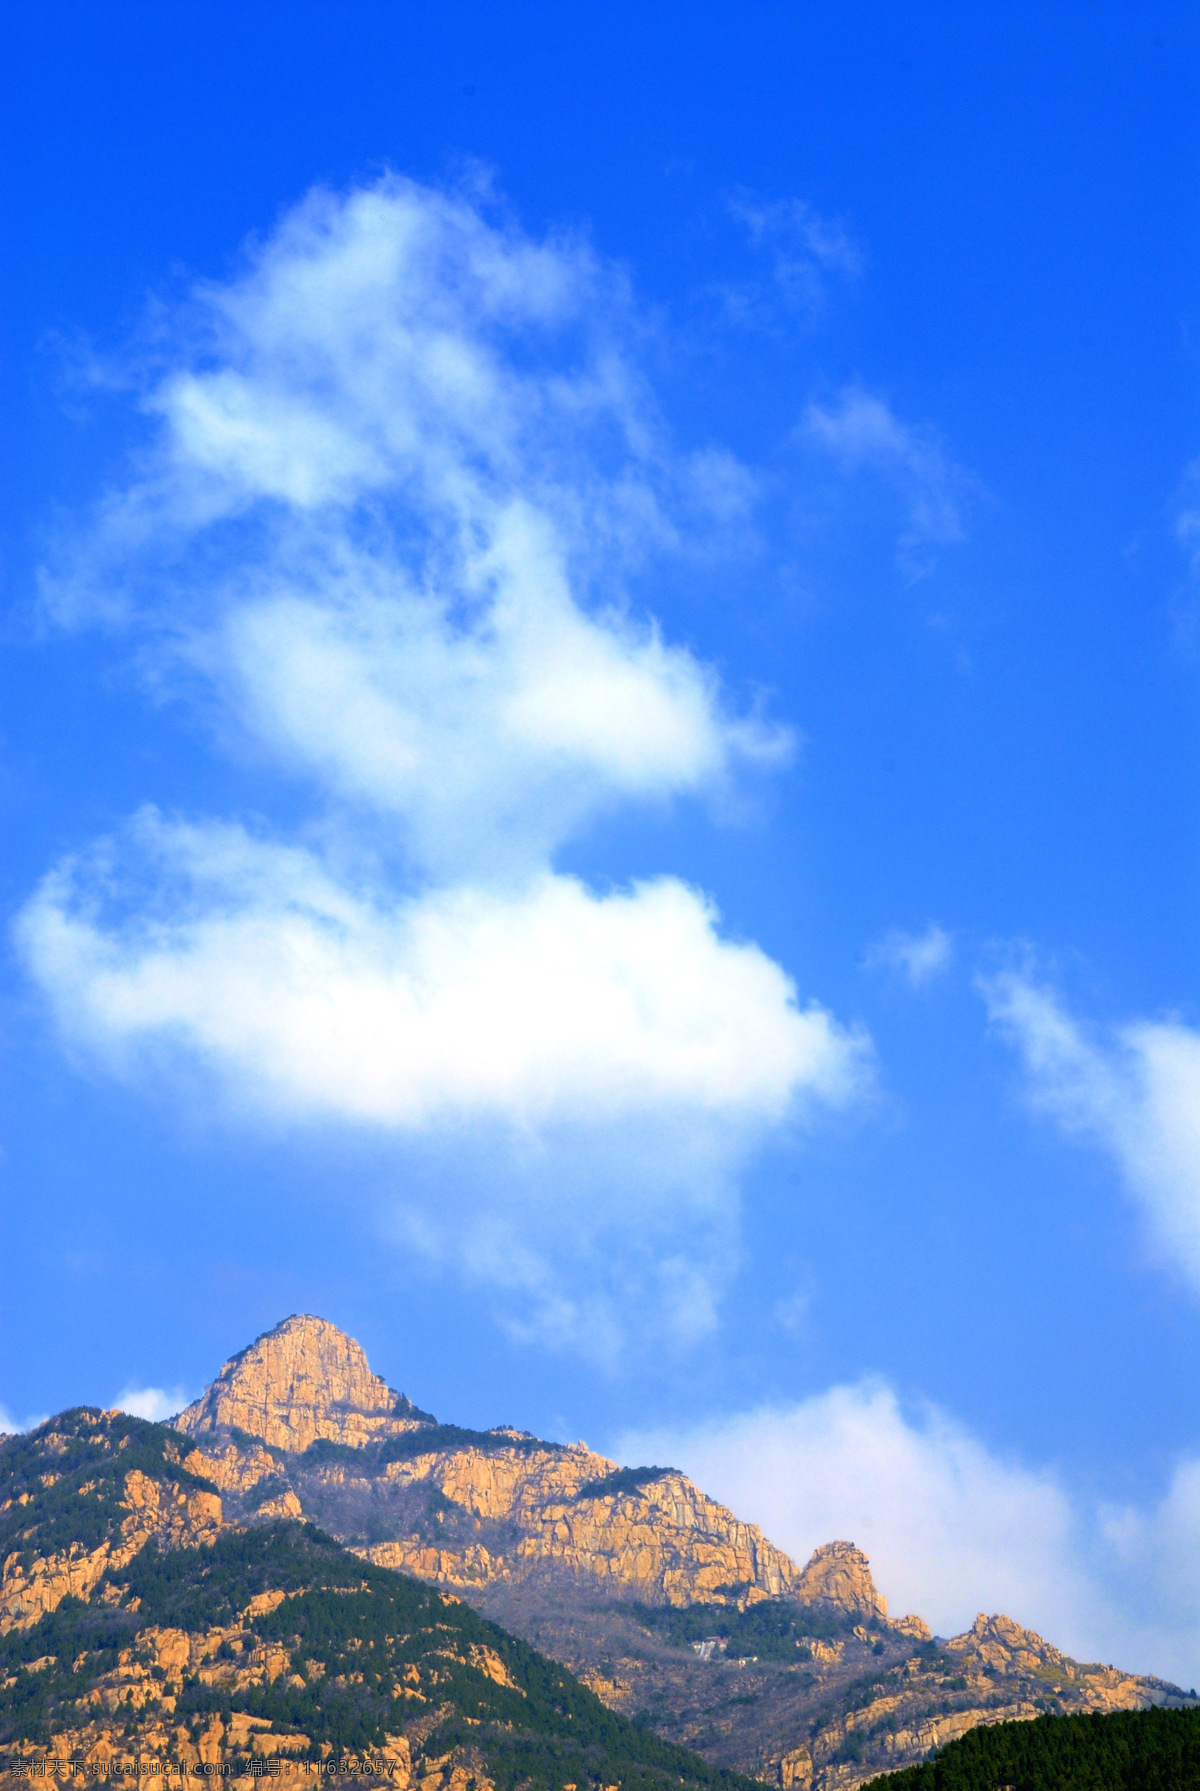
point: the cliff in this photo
(465, 1508)
(665, 1541)
(302, 1381)
(839, 1574)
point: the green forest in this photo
(368, 1647)
(773, 1629)
(1128, 1750)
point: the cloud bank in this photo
(1134, 1091)
(399, 473)
(537, 1003)
(952, 1528)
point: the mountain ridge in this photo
(518, 1506)
(269, 1650)
(666, 1604)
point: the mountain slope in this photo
(83, 1495)
(807, 1695)
(461, 1508)
(587, 1560)
(1149, 1750)
(227, 1649)
(667, 1606)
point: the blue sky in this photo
(598, 758)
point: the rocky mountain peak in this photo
(1003, 1644)
(839, 1574)
(303, 1381)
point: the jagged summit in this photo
(303, 1381)
(839, 1574)
(1005, 1646)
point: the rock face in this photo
(302, 1381)
(174, 1516)
(530, 1515)
(997, 1645)
(839, 1574)
(493, 1506)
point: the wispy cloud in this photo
(802, 251)
(1134, 1090)
(405, 463)
(953, 1527)
(917, 957)
(863, 434)
(1187, 515)
(1185, 608)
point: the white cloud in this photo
(863, 433)
(951, 1528)
(394, 495)
(1151, 1558)
(540, 1002)
(155, 1403)
(1134, 1091)
(491, 739)
(947, 1527)
(583, 1074)
(403, 467)
(918, 957)
(10, 1426)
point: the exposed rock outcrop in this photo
(232, 1467)
(661, 1542)
(999, 1645)
(839, 1574)
(302, 1381)
(913, 1626)
(177, 1517)
(509, 1507)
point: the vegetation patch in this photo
(774, 1629)
(429, 1439)
(71, 1474)
(368, 1653)
(621, 1480)
(1126, 1750)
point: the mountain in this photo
(144, 1635)
(301, 1383)
(667, 1606)
(462, 1508)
